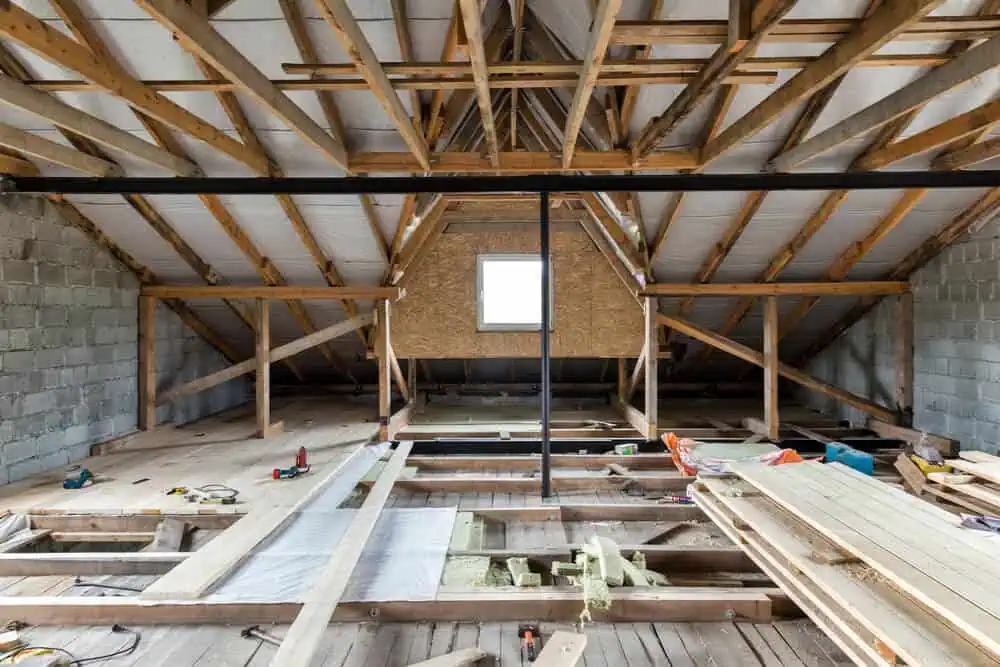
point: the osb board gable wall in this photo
(594, 315)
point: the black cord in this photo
(124, 650)
(80, 582)
(77, 662)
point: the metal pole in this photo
(546, 383)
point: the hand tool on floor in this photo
(254, 632)
(77, 478)
(207, 494)
(300, 467)
(531, 641)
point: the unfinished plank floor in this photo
(217, 450)
(788, 644)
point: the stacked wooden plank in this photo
(975, 483)
(890, 578)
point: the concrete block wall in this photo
(956, 347)
(68, 346)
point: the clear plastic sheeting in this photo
(402, 560)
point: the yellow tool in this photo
(927, 467)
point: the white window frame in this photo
(510, 257)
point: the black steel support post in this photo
(543, 219)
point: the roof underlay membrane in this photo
(257, 28)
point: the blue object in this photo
(838, 452)
(79, 481)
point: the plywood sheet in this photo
(594, 316)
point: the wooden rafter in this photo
(966, 157)
(21, 96)
(888, 20)
(915, 95)
(597, 47)
(25, 29)
(347, 31)
(757, 358)
(517, 22)
(983, 209)
(198, 37)
(402, 22)
(970, 123)
(631, 94)
(472, 20)
(721, 65)
(45, 149)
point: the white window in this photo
(510, 292)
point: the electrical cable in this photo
(80, 582)
(127, 649)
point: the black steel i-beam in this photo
(870, 180)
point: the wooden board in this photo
(951, 573)
(855, 599)
(593, 314)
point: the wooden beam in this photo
(639, 370)
(651, 353)
(397, 374)
(776, 289)
(563, 483)
(911, 436)
(384, 353)
(21, 96)
(980, 119)
(262, 387)
(472, 22)
(51, 151)
(48, 42)
(520, 162)
(347, 31)
(723, 63)
(983, 209)
(642, 53)
(197, 36)
(938, 81)
(279, 292)
(756, 358)
(967, 157)
(12, 165)
(667, 604)
(88, 564)
(593, 56)
(771, 367)
(276, 354)
(147, 363)
(800, 31)
(401, 20)
(887, 21)
(213, 562)
(418, 240)
(904, 358)
(303, 637)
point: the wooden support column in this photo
(147, 363)
(771, 366)
(904, 359)
(383, 352)
(622, 379)
(263, 357)
(652, 356)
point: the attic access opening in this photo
(508, 292)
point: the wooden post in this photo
(147, 363)
(263, 357)
(411, 377)
(383, 353)
(652, 356)
(904, 359)
(622, 379)
(771, 366)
